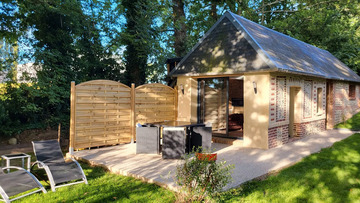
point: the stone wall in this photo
(309, 110)
(308, 128)
(340, 106)
(278, 136)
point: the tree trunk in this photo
(180, 27)
(214, 10)
(263, 12)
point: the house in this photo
(24, 73)
(261, 86)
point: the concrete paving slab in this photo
(249, 163)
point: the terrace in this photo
(249, 163)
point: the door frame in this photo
(293, 98)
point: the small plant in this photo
(201, 178)
(343, 118)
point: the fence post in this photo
(176, 102)
(132, 123)
(72, 118)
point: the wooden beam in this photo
(72, 118)
(176, 103)
(217, 76)
(133, 112)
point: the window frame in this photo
(319, 101)
(352, 91)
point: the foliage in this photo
(138, 37)
(19, 109)
(67, 48)
(201, 178)
(353, 123)
(330, 25)
(328, 176)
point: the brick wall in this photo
(278, 136)
(340, 106)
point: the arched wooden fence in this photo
(105, 112)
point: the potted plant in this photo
(201, 177)
(206, 156)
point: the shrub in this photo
(200, 179)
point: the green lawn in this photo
(104, 187)
(332, 175)
(352, 124)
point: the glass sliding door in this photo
(213, 103)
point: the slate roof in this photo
(279, 51)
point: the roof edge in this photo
(214, 74)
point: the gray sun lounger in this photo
(17, 182)
(49, 157)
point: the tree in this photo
(179, 22)
(9, 33)
(94, 60)
(138, 38)
(67, 48)
(330, 25)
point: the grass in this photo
(332, 175)
(103, 187)
(352, 124)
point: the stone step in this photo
(228, 141)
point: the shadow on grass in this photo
(331, 175)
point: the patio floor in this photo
(249, 163)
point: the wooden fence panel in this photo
(154, 103)
(102, 114)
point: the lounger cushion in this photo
(64, 172)
(48, 151)
(17, 182)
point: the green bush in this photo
(200, 179)
(25, 106)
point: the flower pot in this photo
(206, 156)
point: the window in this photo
(319, 101)
(352, 91)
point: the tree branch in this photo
(278, 11)
(269, 4)
(290, 11)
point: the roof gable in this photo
(223, 50)
(241, 41)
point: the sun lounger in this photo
(17, 182)
(49, 157)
